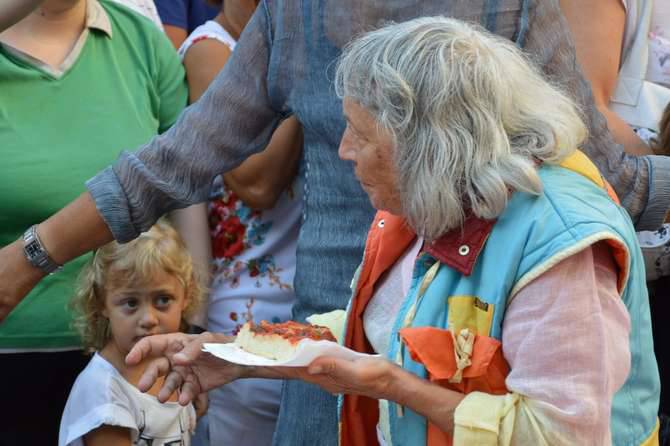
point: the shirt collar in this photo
(97, 18)
(460, 247)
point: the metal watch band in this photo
(36, 254)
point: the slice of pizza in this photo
(279, 341)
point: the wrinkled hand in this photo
(17, 277)
(186, 368)
(371, 377)
(201, 404)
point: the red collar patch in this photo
(460, 247)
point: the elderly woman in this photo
(501, 283)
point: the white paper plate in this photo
(307, 351)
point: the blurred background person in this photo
(181, 17)
(80, 80)
(253, 217)
(623, 46)
(145, 7)
(11, 11)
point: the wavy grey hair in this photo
(470, 117)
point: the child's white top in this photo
(208, 30)
(100, 395)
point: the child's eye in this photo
(163, 301)
(129, 304)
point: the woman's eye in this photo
(357, 135)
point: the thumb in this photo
(328, 365)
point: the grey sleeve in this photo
(233, 120)
(642, 183)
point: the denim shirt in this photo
(284, 64)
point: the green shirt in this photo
(125, 86)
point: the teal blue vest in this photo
(531, 235)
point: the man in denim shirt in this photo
(284, 65)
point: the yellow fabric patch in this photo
(581, 164)
(483, 419)
(653, 438)
(471, 313)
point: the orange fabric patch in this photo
(620, 254)
(434, 348)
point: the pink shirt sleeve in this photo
(566, 338)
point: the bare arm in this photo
(12, 11)
(260, 180)
(191, 223)
(176, 35)
(108, 436)
(181, 360)
(597, 27)
(64, 242)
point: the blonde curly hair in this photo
(135, 262)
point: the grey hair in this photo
(469, 115)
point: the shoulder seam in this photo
(560, 256)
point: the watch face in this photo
(33, 250)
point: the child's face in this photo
(136, 311)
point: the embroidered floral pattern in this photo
(658, 70)
(247, 316)
(234, 229)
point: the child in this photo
(126, 292)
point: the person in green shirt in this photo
(11, 11)
(80, 79)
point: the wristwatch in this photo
(37, 254)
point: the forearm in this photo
(261, 179)
(434, 402)
(191, 223)
(624, 134)
(74, 230)
(12, 11)
(71, 232)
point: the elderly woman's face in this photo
(371, 150)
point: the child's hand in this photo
(186, 368)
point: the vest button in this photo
(464, 250)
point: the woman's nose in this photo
(346, 149)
